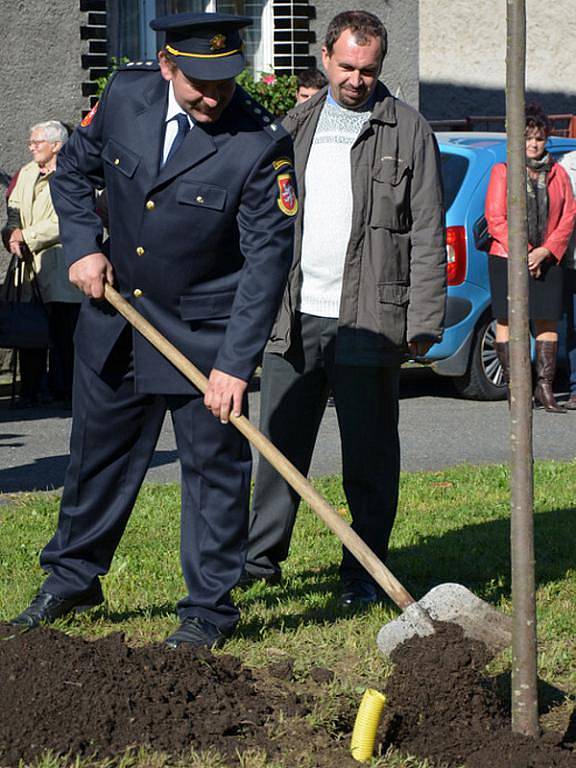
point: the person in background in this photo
(568, 162)
(33, 227)
(367, 286)
(310, 81)
(551, 212)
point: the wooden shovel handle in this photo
(296, 479)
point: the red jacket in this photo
(561, 211)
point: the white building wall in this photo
(463, 56)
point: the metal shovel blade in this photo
(450, 603)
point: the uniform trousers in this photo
(114, 434)
(294, 391)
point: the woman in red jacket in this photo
(551, 211)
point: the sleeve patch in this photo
(287, 202)
(281, 162)
(89, 117)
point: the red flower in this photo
(269, 79)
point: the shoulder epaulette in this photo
(139, 65)
(260, 115)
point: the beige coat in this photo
(31, 196)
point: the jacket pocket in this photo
(391, 194)
(393, 301)
(120, 158)
(206, 306)
(202, 195)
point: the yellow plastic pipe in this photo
(366, 725)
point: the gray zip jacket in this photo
(394, 283)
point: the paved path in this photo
(437, 430)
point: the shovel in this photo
(446, 602)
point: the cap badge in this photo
(218, 42)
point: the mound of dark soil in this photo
(440, 705)
(96, 699)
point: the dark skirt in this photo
(545, 292)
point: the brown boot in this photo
(545, 370)
(503, 351)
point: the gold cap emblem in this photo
(218, 42)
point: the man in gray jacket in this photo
(366, 289)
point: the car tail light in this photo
(455, 255)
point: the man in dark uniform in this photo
(200, 205)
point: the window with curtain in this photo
(130, 36)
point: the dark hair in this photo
(537, 119)
(362, 24)
(311, 78)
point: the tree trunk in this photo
(524, 648)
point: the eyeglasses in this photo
(36, 142)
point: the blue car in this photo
(466, 352)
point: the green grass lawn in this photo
(451, 526)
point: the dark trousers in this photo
(114, 433)
(63, 317)
(294, 392)
(570, 305)
(33, 378)
(48, 373)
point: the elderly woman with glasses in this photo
(32, 233)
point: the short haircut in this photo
(311, 78)
(168, 56)
(51, 130)
(537, 119)
(363, 26)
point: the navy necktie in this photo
(183, 128)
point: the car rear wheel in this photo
(484, 379)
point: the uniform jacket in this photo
(31, 198)
(394, 281)
(201, 248)
(561, 212)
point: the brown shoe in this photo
(570, 404)
(545, 370)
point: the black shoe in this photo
(358, 594)
(46, 608)
(197, 633)
(247, 578)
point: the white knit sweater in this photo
(328, 208)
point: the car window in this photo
(454, 169)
